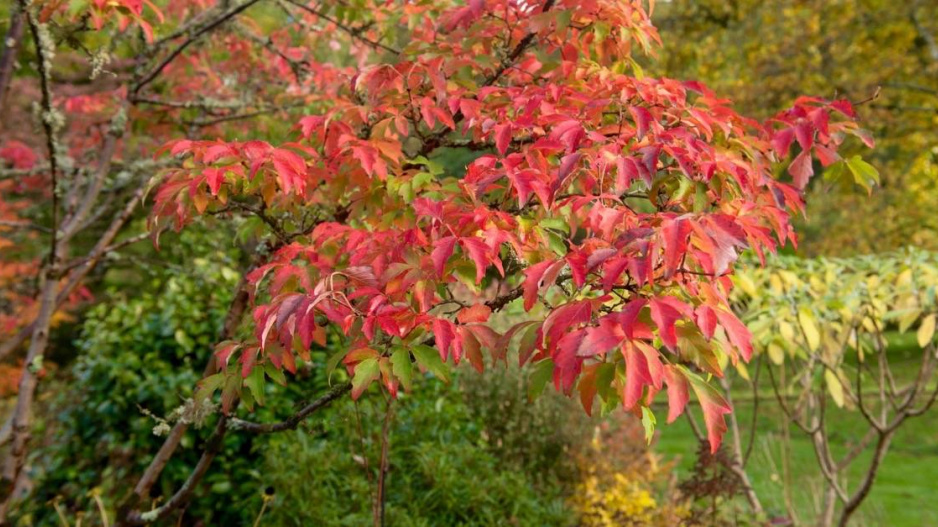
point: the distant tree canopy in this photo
(764, 54)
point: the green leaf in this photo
(835, 171)
(429, 359)
(333, 362)
(255, 383)
(554, 241)
(365, 373)
(275, 375)
(701, 201)
(402, 367)
(557, 224)
(543, 371)
(247, 399)
(406, 192)
(209, 385)
(183, 340)
(863, 173)
(232, 388)
(648, 422)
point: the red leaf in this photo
(501, 346)
(737, 332)
(478, 251)
(626, 173)
(714, 407)
(805, 135)
(642, 119)
(706, 320)
(567, 165)
(677, 392)
(577, 260)
(781, 141)
(801, 169)
(444, 332)
(599, 340)
(566, 317)
(567, 364)
(636, 375)
(538, 277)
(587, 388)
(471, 347)
(827, 156)
(476, 313)
(653, 361)
(441, 253)
(214, 177)
(502, 137)
(674, 233)
(665, 312)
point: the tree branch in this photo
(354, 32)
(212, 447)
(193, 35)
(293, 421)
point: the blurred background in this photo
(474, 451)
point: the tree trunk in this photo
(21, 423)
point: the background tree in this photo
(765, 54)
(823, 326)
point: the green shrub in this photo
(136, 353)
(442, 468)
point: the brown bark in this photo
(737, 452)
(882, 447)
(21, 421)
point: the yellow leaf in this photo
(809, 326)
(743, 371)
(926, 331)
(835, 388)
(907, 319)
(776, 354)
(776, 284)
(746, 284)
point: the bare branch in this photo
(212, 447)
(192, 35)
(293, 421)
(24, 225)
(354, 32)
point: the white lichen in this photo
(99, 60)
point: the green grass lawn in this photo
(905, 488)
(904, 491)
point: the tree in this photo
(823, 326)
(70, 190)
(764, 54)
(612, 205)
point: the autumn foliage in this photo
(612, 205)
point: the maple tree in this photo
(616, 204)
(612, 205)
